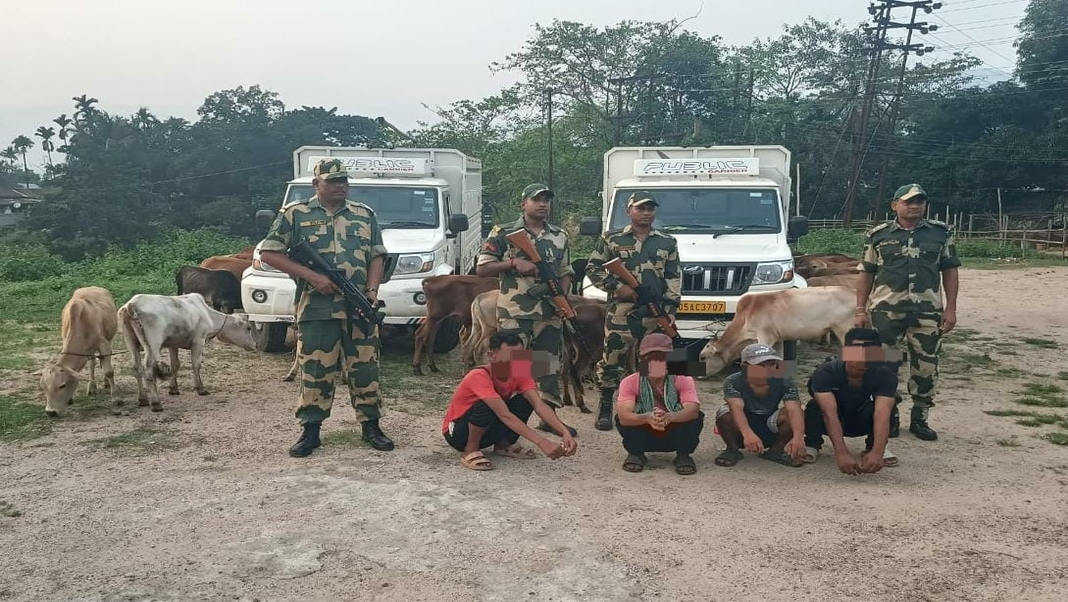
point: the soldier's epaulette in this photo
(938, 223)
(612, 233)
(494, 231)
(360, 205)
(877, 228)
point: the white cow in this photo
(88, 326)
(800, 314)
(151, 322)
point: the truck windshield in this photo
(395, 206)
(707, 210)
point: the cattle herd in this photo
(209, 294)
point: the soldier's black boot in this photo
(309, 440)
(604, 412)
(374, 435)
(895, 418)
(919, 425)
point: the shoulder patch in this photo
(359, 205)
(879, 227)
(938, 223)
(495, 230)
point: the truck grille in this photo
(716, 279)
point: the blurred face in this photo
(331, 191)
(537, 207)
(654, 365)
(513, 361)
(758, 374)
(911, 209)
(642, 215)
(858, 358)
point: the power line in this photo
(954, 10)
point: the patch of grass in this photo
(967, 360)
(964, 334)
(1012, 372)
(1063, 375)
(344, 439)
(1009, 412)
(1038, 402)
(1043, 395)
(6, 509)
(1010, 442)
(1043, 390)
(1056, 438)
(1007, 352)
(137, 441)
(978, 263)
(20, 420)
(1042, 343)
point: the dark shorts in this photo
(766, 426)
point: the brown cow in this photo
(807, 265)
(851, 280)
(793, 314)
(448, 296)
(578, 359)
(474, 341)
(89, 323)
(234, 265)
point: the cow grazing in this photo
(219, 288)
(230, 263)
(770, 318)
(88, 326)
(448, 296)
(151, 322)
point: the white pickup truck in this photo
(728, 206)
(424, 199)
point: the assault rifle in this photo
(548, 278)
(620, 271)
(359, 305)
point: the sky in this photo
(398, 54)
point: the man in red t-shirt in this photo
(478, 415)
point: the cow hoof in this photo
(416, 370)
(585, 410)
(142, 402)
(173, 392)
(434, 369)
(120, 402)
(203, 392)
(288, 379)
(157, 407)
(92, 389)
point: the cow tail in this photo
(178, 280)
(134, 333)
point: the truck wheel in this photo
(270, 336)
(448, 336)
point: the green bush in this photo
(834, 240)
(990, 248)
(28, 261)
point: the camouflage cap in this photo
(757, 353)
(330, 169)
(535, 189)
(641, 198)
(908, 191)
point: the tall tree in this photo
(46, 134)
(1043, 46)
(21, 144)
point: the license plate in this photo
(703, 307)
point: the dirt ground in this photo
(206, 505)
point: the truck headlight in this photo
(774, 272)
(259, 296)
(414, 264)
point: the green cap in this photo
(908, 191)
(640, 198)
(535, 189)
(330, 169)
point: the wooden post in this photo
(1064, 238)
(797, 169)
(971, 224)
(1001, 219)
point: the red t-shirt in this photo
(479, 385)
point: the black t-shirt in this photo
(831, 378)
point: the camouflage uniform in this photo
(524, 303)
(654, 263)
(329, 341)
(906, 299)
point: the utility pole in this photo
(881, 11)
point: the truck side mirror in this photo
(798, 227)
(457, 224)
(590, 226)
(264, 218)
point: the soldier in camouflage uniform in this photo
(909, 260)
(524, 303)
(330, 341)
(653, 258)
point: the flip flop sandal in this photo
(729, 457)
(780, 457)
(811, 454)
(516, 451)
(684, 466)
(476, 460)
(634, 463)
(889, 459)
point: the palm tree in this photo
(22, 144)
(84, 108)
(63, 122)
(10, 154)
(143, 120)
(45, 134)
